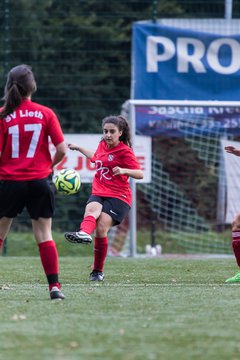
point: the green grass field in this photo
(146, 309)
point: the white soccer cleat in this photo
(78, 237)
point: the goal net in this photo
(187, 203)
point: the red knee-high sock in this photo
(49, 257)
(1, 245)
(100, 253)
(236, 245)
(88, 224)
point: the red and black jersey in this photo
(24, 142)
(104, 182)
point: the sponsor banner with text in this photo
(171, 63)
(180, 119)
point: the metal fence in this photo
(80, 52)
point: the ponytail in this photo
(13, 99)
(20, 85)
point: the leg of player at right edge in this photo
(236, 249)
(1, 246)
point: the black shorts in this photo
(114, 207)
(38, 196)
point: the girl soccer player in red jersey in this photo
(111, 196)
(26, 166)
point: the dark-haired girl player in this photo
(26, 166)
(111, 196)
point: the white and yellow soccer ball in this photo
(67, 181)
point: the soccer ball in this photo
(67, 181)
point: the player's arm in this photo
(232, 150)
(133, 173)
(88, 153)
(61, 150)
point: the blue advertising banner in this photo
(170, 63)
(182, 119)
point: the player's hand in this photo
(232, 150)
(118, 171)
(73, 147)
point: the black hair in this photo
(122, 124)
(20, 85)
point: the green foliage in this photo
(81, 50)
(198, 182)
